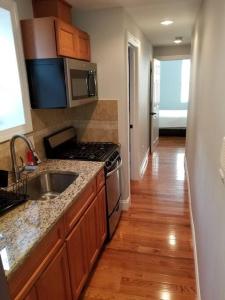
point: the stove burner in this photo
(89, 151)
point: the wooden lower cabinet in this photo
(101, 217)
(54, 282)
(75, 244)
(82, 249)
(85, 241)
(60, 265)
(91, 234)
(32, 295)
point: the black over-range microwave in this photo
(61, 82)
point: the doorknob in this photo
(131, 126)
(153, 113)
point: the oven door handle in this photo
(116, 169)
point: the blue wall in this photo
(170, 85)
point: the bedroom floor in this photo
(151, 255)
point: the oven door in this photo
(113, 189)
(113, 193)
(81, 78)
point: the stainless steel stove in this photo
(63, 145)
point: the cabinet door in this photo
(32, 295)
(66, 39)
(75, 244)
(91, 233)
(84, 46)
(54, 283)
(101, 217)
(57, 8)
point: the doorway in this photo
(131, 97)
(154, 106)
(170, 79)
(133, 108)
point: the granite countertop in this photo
(24, 226)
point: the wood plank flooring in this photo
(150, 256)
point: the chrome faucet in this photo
(17, 170)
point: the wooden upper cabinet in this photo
(39, 38)
(50, 37)
(52, 8)
(66, 39)
(54, 283)
(84, 45)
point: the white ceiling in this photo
(149, 13)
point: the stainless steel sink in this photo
(49, 184)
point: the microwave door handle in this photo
(95, 81)
(93, 75)
(87, 85)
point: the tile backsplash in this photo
(93, 122)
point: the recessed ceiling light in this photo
(166, 22)
(178, 40)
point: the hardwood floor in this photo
(150, 256)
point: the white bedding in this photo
(172, 118)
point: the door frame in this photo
(152, 92)
(133, 106)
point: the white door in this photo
(155, 100)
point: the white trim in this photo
(27, 127)
(134, 166)
(125, 204)
(133, 40)
(144, 163)
(173, 57)
(193, 233)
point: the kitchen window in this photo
(14, 98)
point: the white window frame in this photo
(6, 134)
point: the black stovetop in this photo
(63, 145)
(88, 151)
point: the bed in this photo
(172, 118)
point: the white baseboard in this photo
(193, 233)
(125, 204)
(144, 164)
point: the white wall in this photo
(206, 128)
(108, 32)
(165, 52)
(104, 27)
(25, 9)
(107, 50)
(143, 101)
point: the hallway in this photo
(151, 256)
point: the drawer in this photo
(100, 180)
(78, 208)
